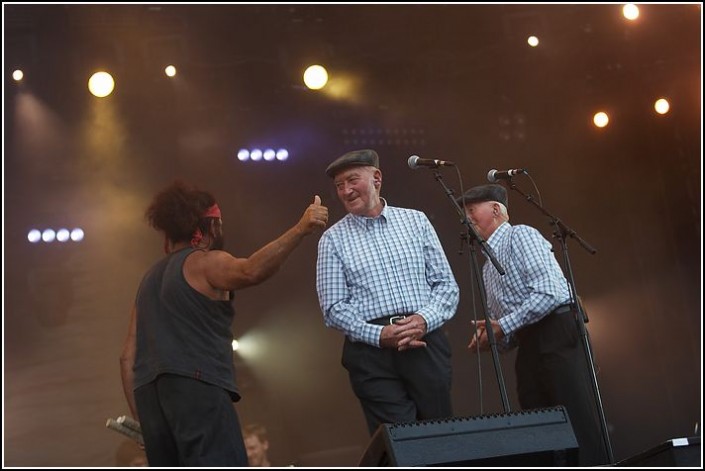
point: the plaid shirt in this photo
(533, 285)
(375, 267)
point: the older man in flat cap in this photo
(384, 281)
(530, 307)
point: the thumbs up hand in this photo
(315, 216)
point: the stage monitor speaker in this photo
(536, 437)
(671, 453)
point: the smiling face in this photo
(358, 190)
(256, 450)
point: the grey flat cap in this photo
(365, 157)
(481, 193)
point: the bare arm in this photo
(127, 361)
(223, 271)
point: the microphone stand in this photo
(472, 237)
(561, 231)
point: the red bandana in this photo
(212, 212)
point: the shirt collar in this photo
(499, 233)
(366, 220)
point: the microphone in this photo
(415, 162)
(129, 422)
(495, 175)
(113, 424)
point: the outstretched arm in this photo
(223, 271)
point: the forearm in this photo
(266, 261)
(128, 384)
(343, 319)
(127, 363)
(442, 305)
(445, 294)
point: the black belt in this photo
(563, 309)
(529, 331)
(387, 320)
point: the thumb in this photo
(317, 200)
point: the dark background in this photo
(452, 82)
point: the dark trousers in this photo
(186, 422)
(406, 386)
(552, 370)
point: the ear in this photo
(377, 178)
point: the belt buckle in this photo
(394, 319)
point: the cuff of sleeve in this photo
(371, 334)
(431, 322)
(505, 324)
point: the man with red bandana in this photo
(176, 365)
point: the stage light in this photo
(662, 106)
(77, 235)
(282, 154)
(34, 236)
(236, 345)
(18, 75)
(269, 155)
(101, 84)
(256, 154)
(48, 235)
(243, 154)
(533, 41)
(315, 77)
(170, 71)
(630, 11)
(62, 235)
(601, 119)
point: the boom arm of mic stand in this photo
(567, 231)
(564, 230)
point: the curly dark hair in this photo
(177, 211)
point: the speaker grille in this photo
(537, 437)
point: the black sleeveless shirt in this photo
(181, 331)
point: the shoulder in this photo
(214, 256)
(338, 231)
(408, 211)
(200, 260)
(523, 234)
(407, 214)
(523, 230)
(337, 228)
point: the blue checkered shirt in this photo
(533, 285)
(375, 267)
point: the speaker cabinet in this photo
(536, 437)
(671, 453)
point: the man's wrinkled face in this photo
(357, 189)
